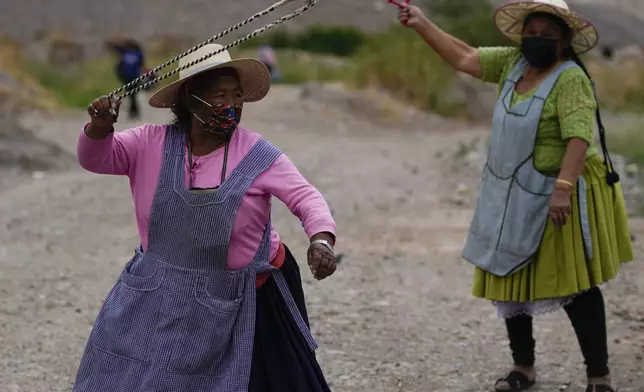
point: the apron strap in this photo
(517, 71)
(175, 140)
(261, 265)
(549, 82)
(513, 78)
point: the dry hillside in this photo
(91, 21)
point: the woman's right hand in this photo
(411, 16)
(104, 112)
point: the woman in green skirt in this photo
(550, 224)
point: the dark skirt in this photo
(282, 360)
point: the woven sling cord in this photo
(129, 88)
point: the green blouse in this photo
(569, 110)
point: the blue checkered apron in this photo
(178, 320)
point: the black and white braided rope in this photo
(129, 88)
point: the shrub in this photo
(400, 61)
(403, 64)
(628, 141)
(469, 20)
(78, 87)
(338, 41)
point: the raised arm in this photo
(461, 56)
(102, 151)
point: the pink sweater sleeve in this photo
(115, 154)
(285, 182)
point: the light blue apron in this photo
(512, 206)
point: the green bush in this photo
(75, 88)
(403, 64)
(338, 41)
(280, 39)
(628, 142)
(78, 87)
(400, 61)
(469, 20)
(297, 67)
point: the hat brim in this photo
(254, 77)
(509, 20)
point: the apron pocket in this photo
(490, 204)
(125, 325)
(206, 334)
(525, 221)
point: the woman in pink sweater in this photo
(212, 300)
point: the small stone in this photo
(564, 386)
(462, 188)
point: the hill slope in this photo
(90, 21)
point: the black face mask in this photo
(539, 52)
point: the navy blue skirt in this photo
(282, 360)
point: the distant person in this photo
(129, 68)
(266, 54)
(608, 52)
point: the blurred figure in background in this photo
(129, 68)
(266, 55)
(607, 52)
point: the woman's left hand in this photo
(560, 204)
(321, 261)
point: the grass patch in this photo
(299, 67)
(620, 87)
(403, 64)
(628, 142)
(78, 87)
(29, 93)
(333, 40)
(469, 20)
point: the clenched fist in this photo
(411, 16)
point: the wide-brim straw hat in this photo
(254, 77)
(509, 20)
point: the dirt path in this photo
(397, 316)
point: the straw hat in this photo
(254, 77)
(509, 20)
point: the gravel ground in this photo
(397, 315)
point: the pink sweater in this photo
(138, 153)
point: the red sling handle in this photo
(399, 4)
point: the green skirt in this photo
(560, 268)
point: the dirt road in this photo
(397, 315)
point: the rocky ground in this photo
(397, 315)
